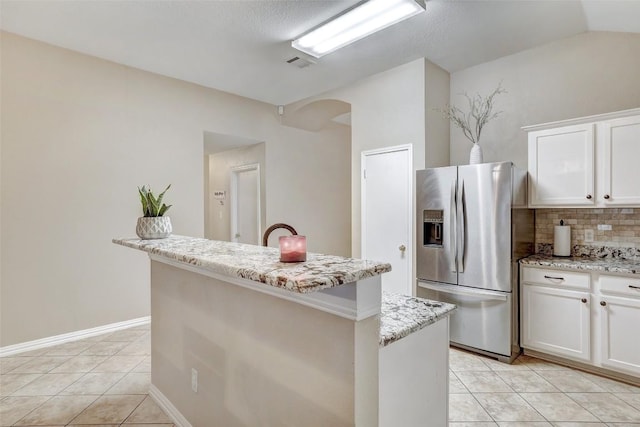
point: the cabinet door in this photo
(619, 322)
(556, 321)
(561, 167)
(619, 161)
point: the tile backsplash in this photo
(622, 240)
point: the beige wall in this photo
(591, 73)
(218, 215)
(79, 134)
(261, 360)
(389, 109)
(437, 82)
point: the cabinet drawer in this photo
(560, 278)
(620, 285)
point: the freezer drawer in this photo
(483, 319)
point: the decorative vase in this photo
(475, 156)
(154, 227)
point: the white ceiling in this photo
(242, 46)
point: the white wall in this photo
(308, 187)
(79, 134)
(218, 222)
(587, 74)
(437, 129)
(388, 109)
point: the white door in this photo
(245, 204)
(387, 213)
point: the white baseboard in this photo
(10, 350)
(165, 404)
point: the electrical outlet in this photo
(194, 380)
(604, 227)
(588, 235)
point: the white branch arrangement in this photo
(480, 113)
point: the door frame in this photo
(233, 198)
(363, 198)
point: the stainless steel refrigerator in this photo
(473, 226)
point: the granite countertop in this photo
(402, 315)
(259, 263)
(611, 265)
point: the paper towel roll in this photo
(562, 240)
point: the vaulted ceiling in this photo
(242, 46)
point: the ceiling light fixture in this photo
(354, 24)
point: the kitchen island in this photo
(241, 339)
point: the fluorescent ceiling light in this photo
(355, 24)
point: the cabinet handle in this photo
(603, 303)
(606, 196)
(584, 300)
(635, 287)
(589, 196)
(553, 277)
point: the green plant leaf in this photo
(153, 204)
(162, 195)
(164, 209)
(143, 199)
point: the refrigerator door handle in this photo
(459, 290)
(461, 231)
(452, 229)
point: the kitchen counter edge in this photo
(258, 263)
(402, 315)
(609, 265)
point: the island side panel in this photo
(261, 360)
(414, 378)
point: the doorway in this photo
(245, 204)
(387, 213)
(223, 153)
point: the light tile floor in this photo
(103, 382)
(99, 382)
(535, 393)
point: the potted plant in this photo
(479, 114)
(153, 224)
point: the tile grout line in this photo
(98, 396)
(105, 393)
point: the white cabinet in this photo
(561, 166)
(587, 317)
(555, 320)
(619, 318)
(588, 162)
(620, 157)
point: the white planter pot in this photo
(154, 227)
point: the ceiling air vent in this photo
(300, 62)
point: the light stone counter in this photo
(260, 264)
(311, 343)
(402, 315)
(270, 343)
(610, 265)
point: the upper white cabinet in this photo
(561, 166)
(620, 161)
(588, 162)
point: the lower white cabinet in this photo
(588, 317)
(556, 321)
(620, 336)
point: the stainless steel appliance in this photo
(473, 226)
